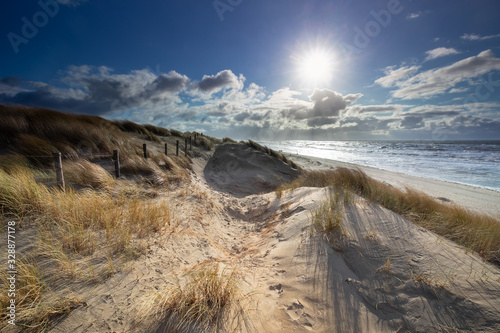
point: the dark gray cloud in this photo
(12, 81)
(328, 103)
(258, 117)
(431, 114)
(360, 109)
(412, 122)
(189, 115)
(318, 122)
(171, 82)
(49, 97)
(96, 93)
(241, 116)
(213, 83)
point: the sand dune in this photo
(241, 170)
(382, 274)
(386, 275)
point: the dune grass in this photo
(209, 299)
(477, 232)
(131, 127)
(87, 174)
(327, 218)
(207, 142)
(37, 132)
(89, 230)
(72, 224)
(273, 153)
(36, 306)
(160, 131)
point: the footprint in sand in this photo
(297, 312)
(278, 288)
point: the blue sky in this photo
(281, 69)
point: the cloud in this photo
(172, 100)
(361, 109)
(437, 81)
(98, 91)
(478, 37)
(223, 79)
(171, 83)
(318, 122)
(392, 76)
(242, 116)
(412, 122)
(328, 103)
(458, 90)
(413, 16)
(427, 114)
(440, 52)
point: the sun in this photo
(314, 63)
(316, 67)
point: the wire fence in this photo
(115, 157)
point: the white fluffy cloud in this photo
(434, 82)
(440, 52)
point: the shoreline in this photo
(479, 199)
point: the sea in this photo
(475, 163)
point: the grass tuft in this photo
(209, 299)
(33, 311)
(327, 219)
(87, 174)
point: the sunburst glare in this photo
(315, 67)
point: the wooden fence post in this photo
(190, 143)
(59, 170)
(185, 146)
(145, 150)
(166, 149)
(116, 158)
(177, 148)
